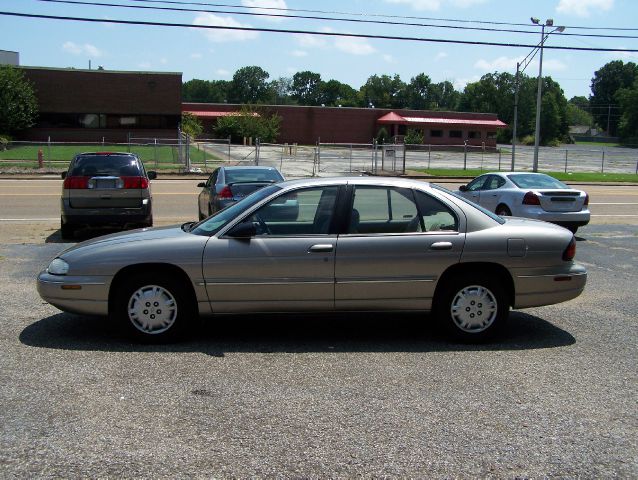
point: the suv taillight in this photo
(225, 193)
(570, 251)
(586, 199)
(531, 198)
(135, 182)
(75, 183)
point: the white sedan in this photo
(529, 195)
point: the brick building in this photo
(306, 125)
(89, 105)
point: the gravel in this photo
(325, 396)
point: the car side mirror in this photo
(244, 230)
(152, 175)
(463, 188)
(201, 184)
(63, 175)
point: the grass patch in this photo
(569, 177)
(27, 156)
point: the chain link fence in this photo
(325, 159)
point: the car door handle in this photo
(441, 246)
(321, 248)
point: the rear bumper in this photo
(578, 219)
(535, 288)
(107, 216)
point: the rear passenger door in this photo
(395, 246)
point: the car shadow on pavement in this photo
(294, 334)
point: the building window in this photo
(474, 134)
(456, 134)
(491, 135)
(436, 133)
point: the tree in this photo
(612, 77)
(627, 98)
(18, 103)
(306, 88)
(384, 92)
(446, 97)
(419, 93)
(281, 89)
(249, 122)
(335, 93)
(578, 116)
(191, 126)
(205, 91)
(249, 85)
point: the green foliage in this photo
(191, 126)
(204, 91)
(528, 140)
(607, 81)
(250, 122)
(413, 137)
(628, 100)
(4, 142)
(383, 92)
(577, 116)
(249, 85)
(382, 136)
(18, 103)
(306, 88)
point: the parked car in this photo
(356, 244)
(106, 189)
(529, 195)
(227, 185)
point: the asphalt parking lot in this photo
(325, 396)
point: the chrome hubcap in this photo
(474, 309)
(152, 309)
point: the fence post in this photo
(405, 152)
(602, 164)
(257, 145)
(350, 158)
(499, 159)
(566, 152)
(155, 152)
(429, 154)
(374, 155)
(229, 148)
(49, 149)
(465, 155)
(188, 154)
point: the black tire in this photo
(503, 211)
(471, 308)
(67, 232)
(154, 308)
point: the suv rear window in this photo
(105, 165)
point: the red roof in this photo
(395, 118)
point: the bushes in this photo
(4, 142)
(249, 123)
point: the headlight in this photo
(58, 267)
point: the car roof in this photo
(388, 181)
(247, 167)
(106, 154)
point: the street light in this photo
(548, 23)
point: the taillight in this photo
(134, 182)
(531, 198)
(586, 199)
(570, 251)
(75, 183)
(225, 193)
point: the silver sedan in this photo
(529, 195)
(355, 244)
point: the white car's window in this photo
(476, 184)
(300, 212)
(493, 182)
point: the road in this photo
(30, 208)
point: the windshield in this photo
(472, 204)
(214, 223)
(539, 180)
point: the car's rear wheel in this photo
(503, 211)
(67, 231)
(472, 308)
(154, 307)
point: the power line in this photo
(309, 32)
(359, 14)
(331, 19)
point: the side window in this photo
(213, 178)
(476, 184)
(493, 183)
(435, 215)
(302, 212)
(383, 210)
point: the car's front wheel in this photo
(154, 308)
(472, 308)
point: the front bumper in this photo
(86, 295)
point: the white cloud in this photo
(389, 58)
(222, 73)
(460, 83)
(435, 5)
(299, 53)
(223, 35)
(310, 41)
(144, 65)
(354, 46)
(265, 7)
(440, 56)
(86, 49)
(629, 56)
(583, 8)
(506, 64)
(163, 61)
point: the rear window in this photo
(539, 180)
(105, 166)
(252, 175)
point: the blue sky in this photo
(217, 54)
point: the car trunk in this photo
(561, 200)
(105, 192)
(243, 189)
